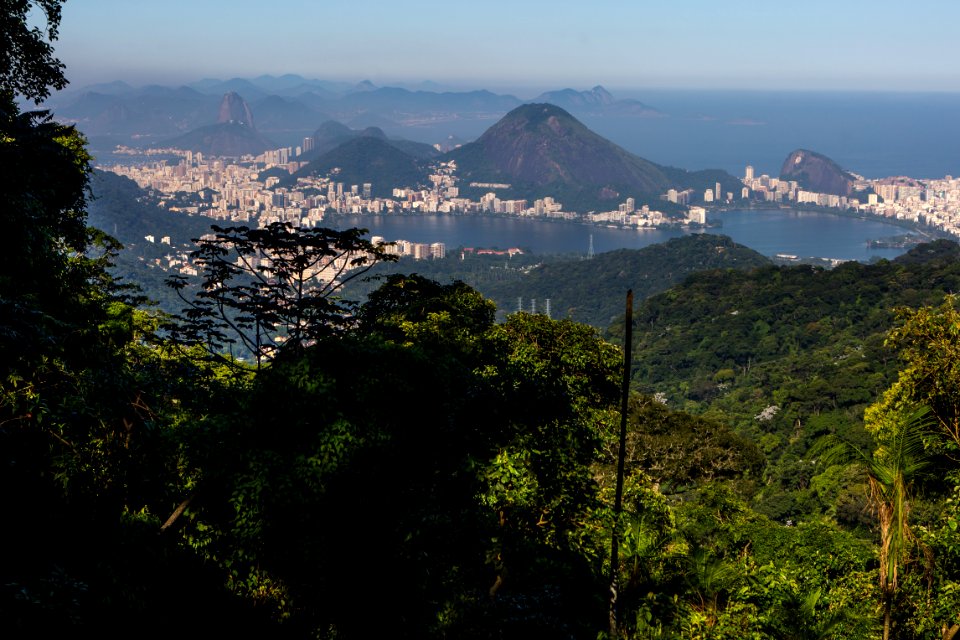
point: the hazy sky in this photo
(497, 44)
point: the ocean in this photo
(869, 133)
(874, 134)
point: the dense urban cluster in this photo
(233, 190)
(933, 203)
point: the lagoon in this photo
(767, 231)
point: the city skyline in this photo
(521, 47)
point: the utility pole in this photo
(621, 463)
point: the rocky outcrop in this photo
(816, 172)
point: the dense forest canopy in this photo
(413, 468)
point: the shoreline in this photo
(927, 232)
(922, 229)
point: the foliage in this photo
(445, 458)
(927, 341)
(28, 67)
(678, 450)
(270, 289)
(806, 340)
(892, 470)
(411, 309)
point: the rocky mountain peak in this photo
(234, 109)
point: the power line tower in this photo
(590, 253)
(548, 307)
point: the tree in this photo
(928, 340)
(76, 440)
(28, 67)
(411, 308)
(891, 472)
(424, 462)
(271, 289)
(44, 184)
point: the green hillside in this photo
(730, 345)
(589, 291)
(367, 159)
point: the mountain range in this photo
(538, 149)
(290, 107)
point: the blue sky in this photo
(496, 44)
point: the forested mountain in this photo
(367, 159)
(786, 354)
(125, 211)
(591, 291)
(331, 135)
(541, 150)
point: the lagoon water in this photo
(773, 231)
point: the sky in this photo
(519, 44)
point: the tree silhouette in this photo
(27, 65)
(270, 289)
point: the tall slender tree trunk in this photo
(887, 607)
